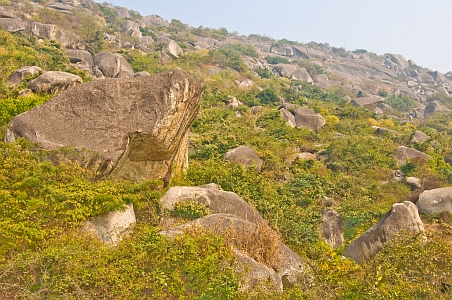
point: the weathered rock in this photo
(245, 156)
(398, 176)
(367, 102)
(171, 47)
(113, 65)
(47, 31)
(17, 76)
(130, 27)
(138, 127)
(141, 74)
(385, 131)
(288, 265)
(282, 50)
(6, 13)
(434, 107)
(448, 159)
(233, 102)
(78, 56)
(402, 217)
(112, 227)
(53, 82)
(419, 137)
(414, 183)
(122, 12)
(147, 40)
(244, 83)
(218, 201)
(152, 20)
(256, 109)
(435, 201)
(402, 154)
(61, 7)
(399, 60)
(305, 117)
(306, 156)
(302, 75)
(255, 273)
(332, 228)
(12, 24)
(288, 117)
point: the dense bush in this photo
(400, 102)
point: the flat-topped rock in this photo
(137, 128)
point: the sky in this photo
(417, 29)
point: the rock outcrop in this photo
(435, 201)
(245, 156)
(113, 65)
(137, 127)
(332, 228)
(259, 242)
(53, 82)
(218, 201)
(402, 217)
(17, 76)
(419, 137)
(112, 227)
(305, 117)
(434, 107)
(402, 154)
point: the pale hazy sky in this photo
(418, 29)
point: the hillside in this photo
(143, 158)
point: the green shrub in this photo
(400, 102)
(273, 60)
(190, 210)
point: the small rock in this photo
(419, 137)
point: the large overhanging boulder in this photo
(137, 127)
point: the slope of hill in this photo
(334, 140)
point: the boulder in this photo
(282, 50)
(113, 65)
(414, 183)
(111, 228)
(61, 7)
(301, 75)
(147, 40)
(402, 154)
(137, 128)
(80, 56)
(259, 242)
(385, 131)
(245, 156)
(47, 31)
(435, 201)
(305, 117)
(12, 24)
(53, 82)
(332, 228)
(171, 47)
(256, 109)
(122, 12)
(448, 159)
(17, 76)
(399, 60)
(368, 102)
(254, 273)
(434, 107)
(300, 51)
(152, 20)
(288, 117)
(244, 83)
(398, 176)
(419, 137)
(402, 217)
(6, 14)
(141, 74)
(234, 103)
(218, 201)
(130, 27)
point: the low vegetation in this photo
(44, 197)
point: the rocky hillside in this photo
(147, 159)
